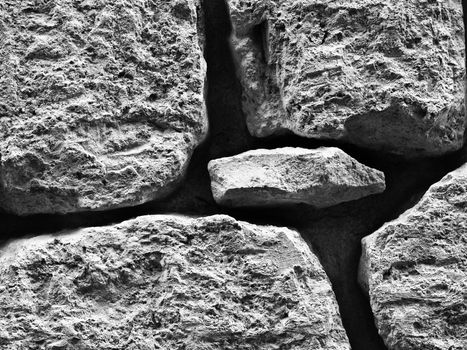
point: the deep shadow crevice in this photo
(260, 38)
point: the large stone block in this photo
(386, 75)
(101, 101)
(167, 282)
(415, 271)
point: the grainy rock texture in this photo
(321, 177)
(415, 270)
(387, 75)
(101, 101)
(167, 282)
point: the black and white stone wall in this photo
(232, 174)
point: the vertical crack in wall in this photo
(260, 38)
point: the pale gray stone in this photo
(386, 75)
(321, 177)
(415, 271)
(167, 282)
(101, 101)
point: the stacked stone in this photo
(102, 105)
(101, 102)
(322, 177)
(414, 270)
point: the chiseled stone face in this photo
(415, 271)
(167, 282)
(386, 75)
(321, 177)
(101, 101)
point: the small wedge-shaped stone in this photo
(101, 101)
(415, 271)
(382, 74)
(167, 282)
(321, 177)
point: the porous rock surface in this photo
(415, 271)
(386, 75)
(101, 101)
(167, 282)
(321, 177)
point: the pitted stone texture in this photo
(321, 177)
(101, 101)
(386, 75)
(415, 271)
(167, 282)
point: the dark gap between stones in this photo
(260, 38)
(334, 233)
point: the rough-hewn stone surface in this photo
(321, 177)
(101, 101)
(415, 271)
(381, 74)
(167, 282)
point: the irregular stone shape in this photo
(167, 282)
(321, 177)
(415, 271)
(387, 75)
(101, 101)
